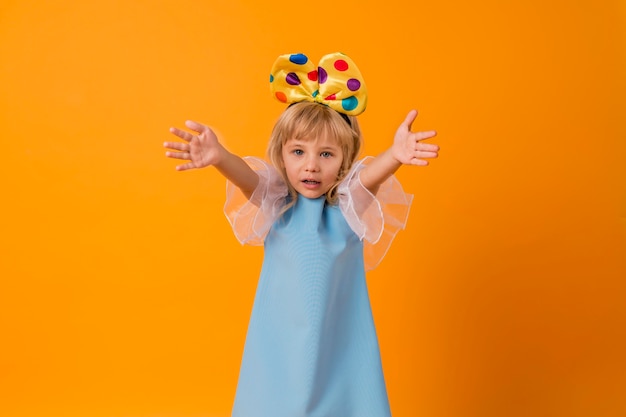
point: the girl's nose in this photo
(312, 164)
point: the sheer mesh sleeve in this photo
(252, 218)
(376, 219)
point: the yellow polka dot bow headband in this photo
(336, 82)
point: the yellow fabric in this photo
(336, 82)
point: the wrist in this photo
(221, 155)
(394, 158)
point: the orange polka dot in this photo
(281, 96)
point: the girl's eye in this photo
(298, 152)
(326, 154)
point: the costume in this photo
(311, 348)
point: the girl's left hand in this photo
(407, 147)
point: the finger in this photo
(410, 118)
(185, 167)
(195, 126)
(422, 154)
(181, 134)
(429, 147)
(425, 135)
(419, 162)
(176, 146)
(178, 155)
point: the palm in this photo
(407, 147)
(201, 150)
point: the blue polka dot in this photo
(315, 93)
(349, 103)
(299, 59)
(271, 78)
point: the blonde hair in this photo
(308, 120)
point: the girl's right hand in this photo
(201, 149)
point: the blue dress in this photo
(311, 348)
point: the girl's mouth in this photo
(311, 184)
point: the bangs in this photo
(313, 121)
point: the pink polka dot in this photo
(341, 65)
(331, 97)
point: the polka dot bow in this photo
(336, 82)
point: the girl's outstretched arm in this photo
(203, 149)
(406, 149)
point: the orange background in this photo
(123, 293)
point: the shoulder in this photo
(252, 218)
(374, 218)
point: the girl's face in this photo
(312, 166)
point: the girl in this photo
(311, 348)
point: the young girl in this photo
(311, 348)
